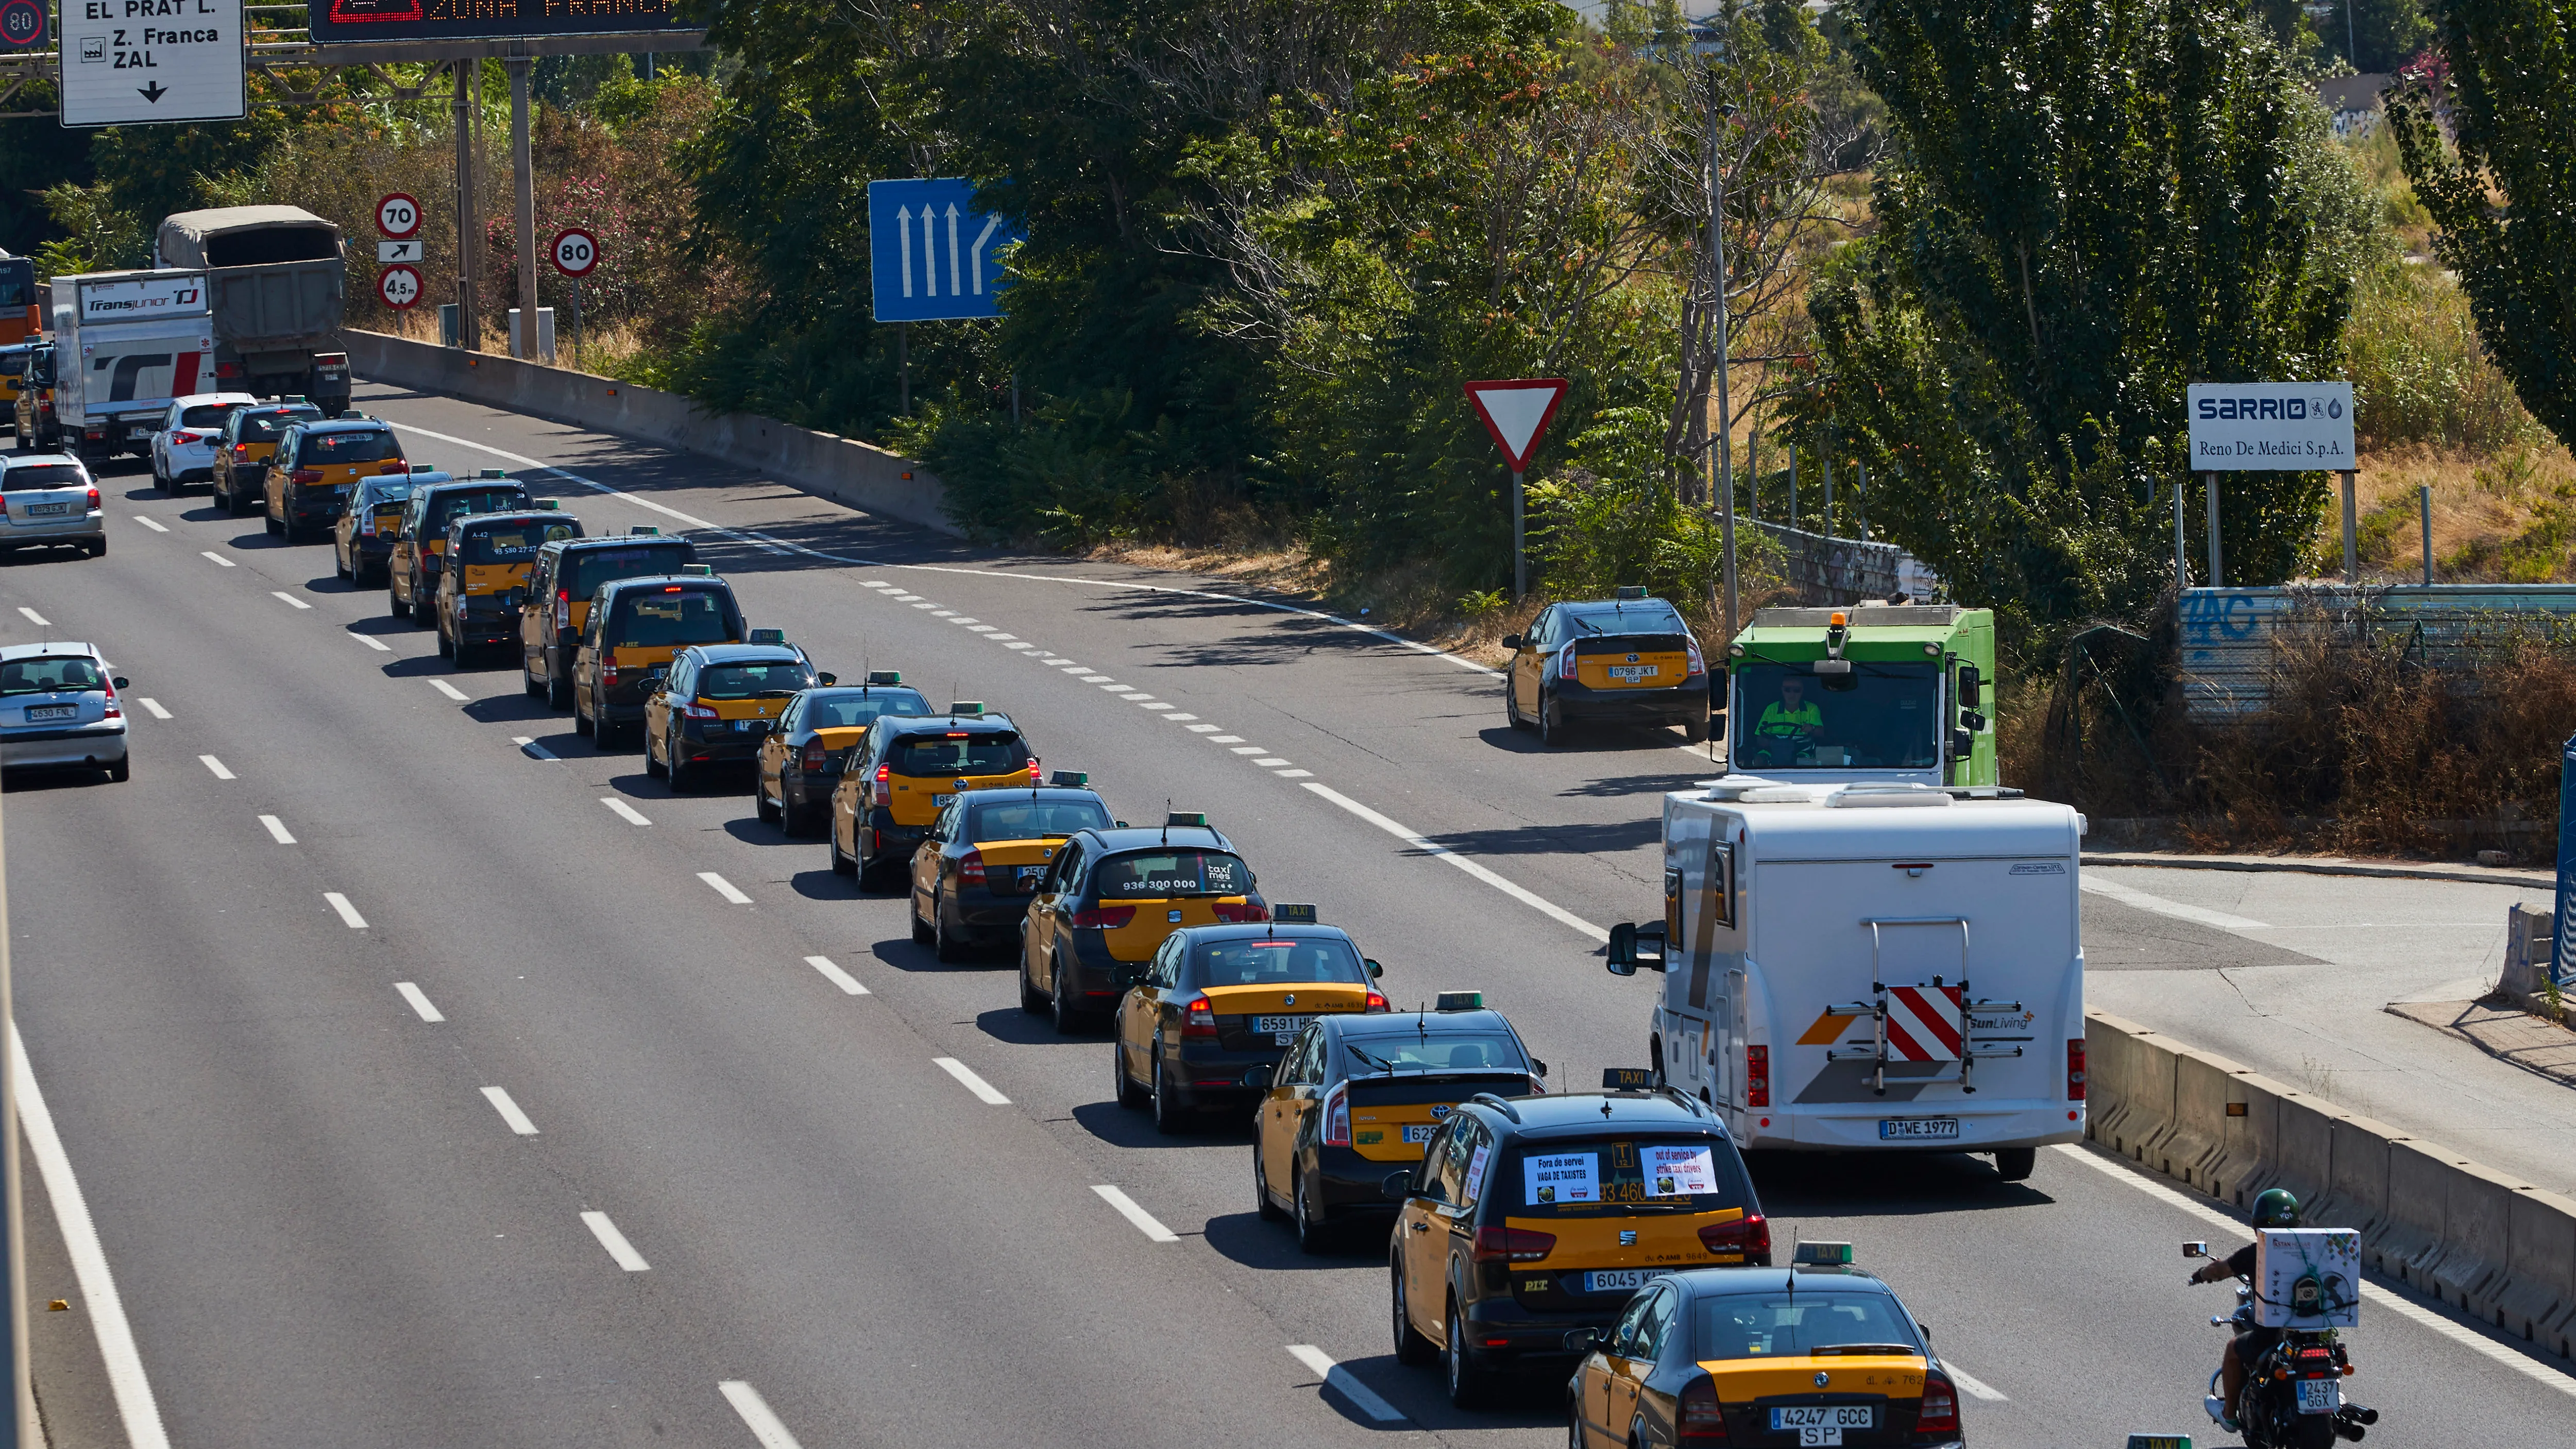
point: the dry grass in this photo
(2510, 518)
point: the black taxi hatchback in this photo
(560, 585)
(1819, 1352)
(1111, 896)
(489, 556)
(800, 760)
(1624, 660)
(634, 628)
(244, 447)
(1528, 1219)
(904, 771)
(718, 702)
(973, 879)
(412, 567)
(1206, 1021)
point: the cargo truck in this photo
(280, 284)
(1893, 693)
(125, 345)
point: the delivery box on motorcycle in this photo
(2307, 1278)
(1870, 965)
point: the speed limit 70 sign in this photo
(397, 215)
(576, 252)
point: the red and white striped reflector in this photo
(1923, 1023)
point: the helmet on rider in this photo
(2276, 1208)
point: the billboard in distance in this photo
(343, 21)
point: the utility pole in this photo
(469, 84)
(1723, 481)
(525, 344)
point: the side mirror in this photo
(2195, 1250)
(120, 681)
(1121, 824)
(1538, 1066)
(1374, 970)
(1582, 1340)
(1963, 743)
(1399, 1186)
(1971, 687)
(829, 678)
(1633, 946)
(1512, 641)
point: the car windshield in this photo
(752, 681)
(372, 446)
(510, 542)
(584, 571)
(1795, 1325)
(50, 674)
(41, 475)
(849, 711)
(1879, 716)
(1627, 1175)
(1453, 1051)
(1173, 873)
(207, 415)
(1284, 962)
(673, 617)
(264, 426)
(959, 752)
(13, 364)
(1034, 819)
(1649, 618)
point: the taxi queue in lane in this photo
(1612, 1240)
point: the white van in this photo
(1867, 967)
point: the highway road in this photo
(434, 1079)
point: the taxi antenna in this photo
(1167, 820)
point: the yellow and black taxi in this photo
(489, 556)
(413, 565)
(800, 760)
(13, 378)
(1356, 1097)
(560, 585)
(1109, 899)
(317, 466)
(1819, 1352)
(362, 537)
(718, 703)
(634, 629)
(904, 771)
(1625, 660)
(248, 441)
(973, 879)
(1528, 1219)
(1207, 1020)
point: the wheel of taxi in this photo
(424, 604)
(1466, 1380)
(1551, 721)
(268, 521)
(1169, 1115)
(945, 944)
(1512, 705)
(652, 767)
(841, 864)
(446, 646)
(1068, 1017)
(1261, 1203)
(922, 933)
(528, 684)
(769, 814)
(558, 691)
(1410, 1347)
(2014, 1164)
(1034, 1001)
(676, 770)
(1314, 1235)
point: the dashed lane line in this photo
(290, 599)
(419, 1001)
(973, 1083)
(724, 888)
(220, 560)
(836, 975)
(624, 811)
(534, 751)
(1510, 888)
(1975, 1387)
(1347, 1384)
(277, 830)
(215, 765)
(348, 913)
(39, 620)
(615, 1242)
(150, 522)
(509, 1111)
(755, 1413)
(371, 641)
(152, 707)
(451, 691)
(1127, 1208)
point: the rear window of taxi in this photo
(263, 425)
(1423, 1052)
(371, 446)
(585, 570)
(753, 681)
(1809, 1321)
(498, 543)
(852, 710)
(1630, 620)
(1670, 1172)
(448, 506)
(1172, 873)
(1288, 962)
(673, 616)
(977, 752)
(1034, 819)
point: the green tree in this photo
(2089, 207)
(2377, 36)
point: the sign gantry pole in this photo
(1516, 412)
(525, 344)
(469, 82)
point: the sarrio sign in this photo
(2262, 426)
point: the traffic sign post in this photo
(576, 252)
(120, 68)
(388, 252)
(931, 256)
(398, 287)
(1516, 412)
(22, 24)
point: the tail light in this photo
(608, 674)
(970, 871)
(696, 711)
(2075, 1075)
(563, 608)
(1749, 1235)
(1198, 1019)
(308, 475)
(1698, 1418)
(241, 450)
(1375, 1002)
(815, 756)
(884, 792)
(93, 498)
(1757, 1076)
(1511, 1245)
(1337, 1116)
(228, 369)
(1698, 665)
(1565, 662)
(114, 710)
(1105, 918)
(396, 466)
(1033, 771)
(1940, 1414)
(1240, 913)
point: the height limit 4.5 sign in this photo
(136, 62)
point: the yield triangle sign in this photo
(1517, 411)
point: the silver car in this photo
(183, 451)
(59, 710)
(48, 499)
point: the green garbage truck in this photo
(1902, 693)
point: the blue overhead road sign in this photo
(932, 257)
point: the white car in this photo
(50, 500)
(59, 710)
(183, 450)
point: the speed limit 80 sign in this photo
(576, 252)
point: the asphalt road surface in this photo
(427, 1084)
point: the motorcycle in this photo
(2293, 1396)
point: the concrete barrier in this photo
(2130, 1092)
(2539, 1293)
(2202, 1129)
(2411, 1241)
(849, 472)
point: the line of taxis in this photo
(1614, 1235)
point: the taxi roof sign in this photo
(1285, 915)
(1459, 1001)
(969, 707)
(1628, 591)
(546, 505)
(1824, 1255)
(700, 571)
(643, 530)
(1627, 1079)
(491, 472)
(885, 676)
(1069, 779)
(768, 636)
(2160, 1441)
(1186, 817)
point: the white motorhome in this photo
(1867, 967)
(125, 344)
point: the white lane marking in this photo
(2129, 896)
(289, 598)
(875, 584)
(211, 763)
(39, 620)
(1342, 1381)
(1177, 718)
(980, 628)
(1516, 892)
(1127, 1208)
(765, 1427)
(962, 619)
(903, 598)
(1019, 644)
(348, 913)
(724, 888)
(1296, 774)
(1270, 762)
(615, 1242)
(534, 751)
(277, 830)
(372, 642)
(152, 705)
(1977, 1388)
(2398, 1303)
(151, 523)
(974, 1083)
(1246, 750)
(625, 812)
(1206, 729)
(1095, 679)
(419, 1001)
(218, 558)
(509, 1111)
(927, 604)
(1055, 663)
(450, 690)
(525, 461)
(1000, 638)
(836, 975)
(1224, 739)
(125, 1377)
(1072, 668)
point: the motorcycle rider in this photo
(2276, 1208)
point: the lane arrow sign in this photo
(903, 232)
(153, 92)
(977, 251)
(952, 249)
(929, 250)
(1516, 413)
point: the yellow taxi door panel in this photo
(1525, 679)
(1592, 1403)
(1423, 1243)
(1278, 1138)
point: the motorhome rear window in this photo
(1879, 716)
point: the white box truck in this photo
(1869, 967)
(125, 345)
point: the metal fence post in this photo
(2424, 496)
(2351, 533)
(2217, 554)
